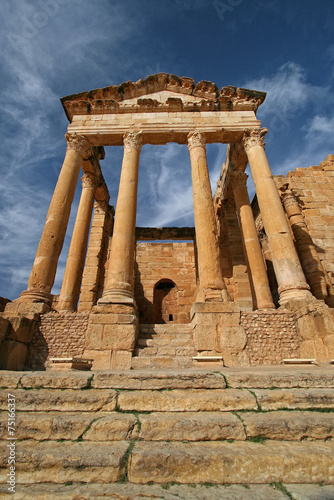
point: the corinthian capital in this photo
(254, 137)
(80, 144)
(238, 178)
(133, 140)
(89, 181)
(196, 139)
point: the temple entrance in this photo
(165, 302)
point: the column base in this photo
(294, 293)
(35, 296)
(117, 296)
(217, 331)
(111, 335)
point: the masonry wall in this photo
(271, 336)
(169, 261)
(57, 335)
(314, 187)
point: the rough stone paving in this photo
(248, 288)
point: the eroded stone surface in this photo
(286, 426)
(187, 400)
(57, 400)
(203, 426)
(302, 399)
(238, 462)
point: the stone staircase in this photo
(164, 346)
(267, 433)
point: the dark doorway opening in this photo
(165, 301)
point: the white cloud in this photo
(321, 125)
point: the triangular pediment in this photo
(159, 93)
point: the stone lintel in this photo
(165, 233)
(214, 307)
(225, 127)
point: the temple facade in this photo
(250, 284)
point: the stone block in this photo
(232, 338)
(94, 336)
(73, 380)
(81, 462)
(121, 360)
(13, 355)
(22, 328)
(294, 399)
(112, 427)
(280, 377)
(289, 426)
(200, 426)
(101, 359)
(4, 328)
(187, 400)
(205, 337)
(159, 380)
(60, 400)
(238, 462)
(118, 337)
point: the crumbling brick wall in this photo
(271, 336)
(57, 335)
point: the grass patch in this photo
(258, 404)
(282, 488)
(257, 439)
(69, 483)
(125, 460)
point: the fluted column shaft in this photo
(209, 265)
(253, 250)
(70, 289)
(44, 269)
(290, 277)
(315, 273)
(119, 286)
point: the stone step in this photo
(181, 341)
(170, 491)
(172, 426)
(141, 462)
(237, 462)
(171, 351)
(165, 328)
(161, 362)
(278, 377)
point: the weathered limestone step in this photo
(58, 400)
(161, 362)
(188, 426)
(192, 400)
(238, 462)
(128, 491)
(279, 399)
(59, 463)
(289, 425)
(170, 351)
(165, 328)
(71, 426)
(178, 379)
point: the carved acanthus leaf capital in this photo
(133, 140)
(254, 137)
(238, 178)
(89, 181)
(196, 139)
(100, 207)
(80, 144)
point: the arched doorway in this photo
(165, 302)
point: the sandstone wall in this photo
(314, 187)
(57, 335)
(171, 261)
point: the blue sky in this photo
(53, 48)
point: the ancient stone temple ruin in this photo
(250, 284)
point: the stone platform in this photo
(234, 433)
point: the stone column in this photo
(70, 290)
(290, 277)
(253, 251)
(44, 269)
(119, 286)
(209, 266)
(315, 273)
